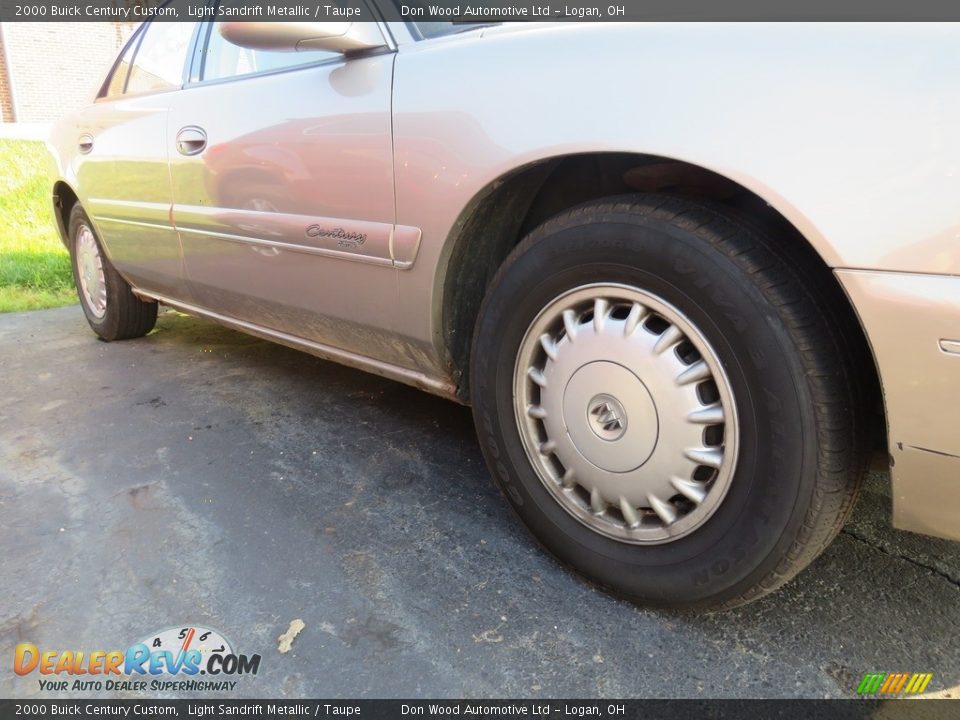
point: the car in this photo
(692, 279)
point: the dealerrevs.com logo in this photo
(169, 660)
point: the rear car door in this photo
(282, 173)
(122, 169)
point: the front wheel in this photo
(665, 404)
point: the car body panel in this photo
(123, 183)
(910, 321)
(290, 207)
(870, 182)
(847, 130)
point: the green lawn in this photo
(34, 266)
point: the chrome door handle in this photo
(85, 143)
(191, 140)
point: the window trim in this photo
(133, 62)
(195, 61)
(416, 36)
(133, 58)
(196, 78)
(132, 43)
(338, 59)
(198, 58)
(195, 44)
(136, 39)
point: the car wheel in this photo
(112, 309)
(664, 403)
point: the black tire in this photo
(803, 448)
(126, 316)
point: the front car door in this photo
(282, 174)
(121, 164)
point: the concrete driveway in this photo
(200, 476)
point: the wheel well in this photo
(64, 198)
(516, 204)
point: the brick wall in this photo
(56, 67)
(6, 105)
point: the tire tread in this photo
(127, 316)
(827, 359)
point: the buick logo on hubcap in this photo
(607, 418)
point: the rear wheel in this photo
(111, 308)
(665, 404)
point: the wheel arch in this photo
(64, 198)
(508, 208)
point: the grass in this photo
(34, 266)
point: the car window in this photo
(428, 30)
(223, 59)
(160, 58)
(119, 76)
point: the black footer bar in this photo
(475, 709)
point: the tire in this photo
(786, 449)
(111, 308)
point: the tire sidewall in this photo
(772, 485)
(106, 326)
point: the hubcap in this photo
(626, 413)
(93, 284)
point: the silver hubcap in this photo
(93, 284)
(626, 413)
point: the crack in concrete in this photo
(886, 550)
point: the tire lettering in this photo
(722, 565)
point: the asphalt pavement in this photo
(202, 477)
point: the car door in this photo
(282, 174)
(122, 164)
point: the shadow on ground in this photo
(200, 476)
